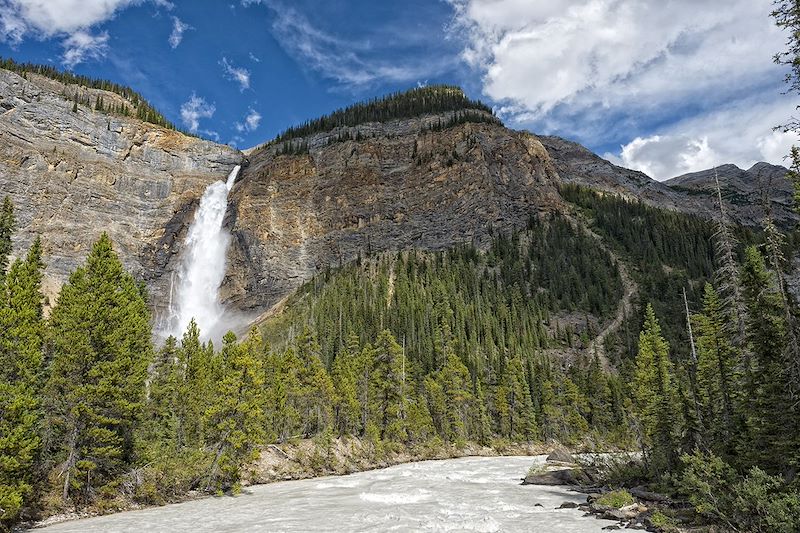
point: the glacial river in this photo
(469, 494)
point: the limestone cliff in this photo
(401, 186)
(73, 175)
(353, 190)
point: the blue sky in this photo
(665, 88)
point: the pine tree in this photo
(98, 342)
(718, 375)
(235, 418)
(345, 378)
(655, 397)
(7, 223)
(772, 415)
(388, 392)
(21, 335)
(455, 383)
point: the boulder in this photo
(560, 455)
(646, 495)
(563, 476)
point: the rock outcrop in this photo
(73, 175)
(402, 186)
(744, 192)
(408, 183)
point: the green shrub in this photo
(756, 502)
(616, 499)
(663, 522)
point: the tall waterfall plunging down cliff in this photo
(203, 264)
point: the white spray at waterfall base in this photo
(203, 264)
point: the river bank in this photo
(301, 459)
(464, 494)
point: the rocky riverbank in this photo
(633, 508)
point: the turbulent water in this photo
(470, 494)
(203, 264)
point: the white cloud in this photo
(251, 121)
(603, 69)
(193, 110)
(255, 58)
(178, 29)
(238, 74)
(537, 55)
(741, 133)
(69, 20)
(82, 45)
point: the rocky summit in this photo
(426, 182)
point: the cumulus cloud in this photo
(178, 29)
(194, 109)
(741, 133)
(238, 74)
(251, 121)
(82, 45)
(631, 72)
(69, 20)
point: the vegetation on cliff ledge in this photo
(139, 107)
(435, 99)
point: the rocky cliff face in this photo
(400, 187)
(73, 175)
(695, 193)
(745, 192)
(403, 184)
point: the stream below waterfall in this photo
(468, 494)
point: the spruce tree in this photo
(21, 335)
(388, 388)
(773, 416)
(455, 381)
(655, 397)
(315, 393)
(718, 375)
(235, 419)
(98, 344)
(345, 378)
(7, 223)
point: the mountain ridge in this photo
(427, 181)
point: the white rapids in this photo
(469, 494)
(203, 264)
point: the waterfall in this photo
(203, 264)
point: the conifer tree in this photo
(194, 381)
(235, 418)
(345, 378)
(655, 397)
(514, 398)
(718, 375)
(772, 416)
(7, 223)
(98, 342)
(315, 393)
(455, 383)
(388, 390)
(21, 335)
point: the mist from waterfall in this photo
(203, 265)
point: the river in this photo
(468, 494)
